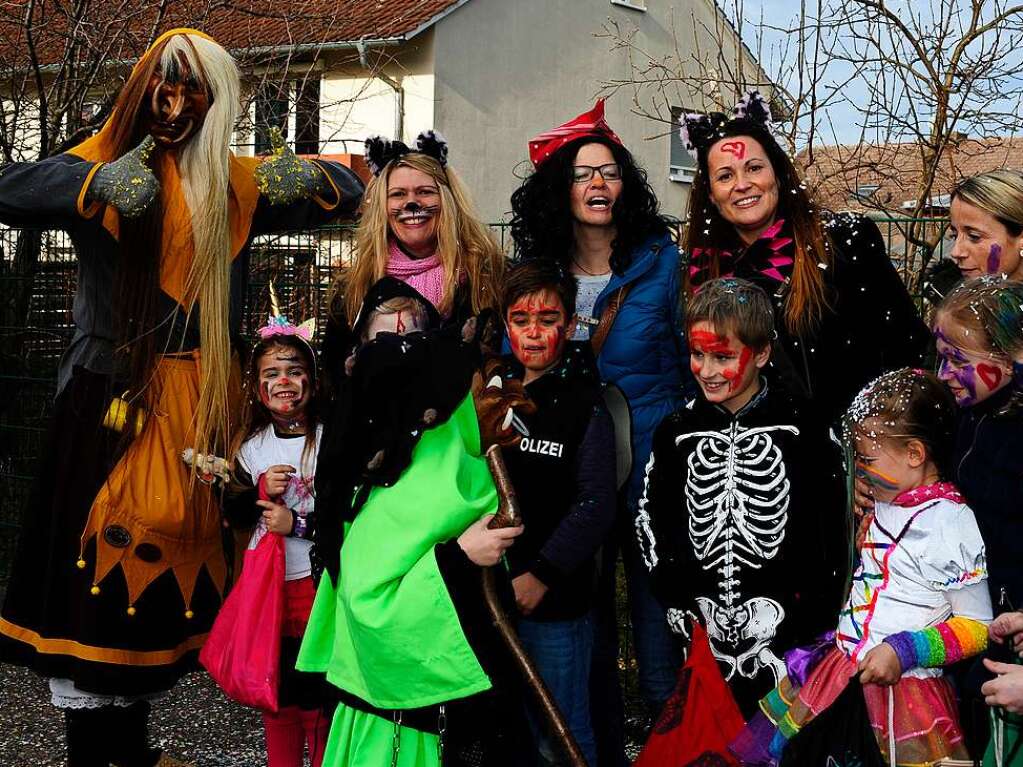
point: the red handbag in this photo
(700, 718)
(243, 650)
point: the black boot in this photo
(130, 736)
(87, 737)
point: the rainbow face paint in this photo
(876, 477)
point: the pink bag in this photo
(243, 650)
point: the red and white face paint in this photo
(538, 327)
(284, 385)
(726, 369)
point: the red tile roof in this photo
(263, 23)
(836, 172)
(120, 30)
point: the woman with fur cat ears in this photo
(843, 316)
(418, 224)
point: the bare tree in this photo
(921, 80)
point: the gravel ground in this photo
(195, 721)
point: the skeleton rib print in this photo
(738, 497)
(737, 494)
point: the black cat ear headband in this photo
(380, 151)
(699, 131)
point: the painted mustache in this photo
(414, 213)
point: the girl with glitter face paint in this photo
(986, 229)
(979, 333)
(918, 601)
(842, 314)
(275, 454)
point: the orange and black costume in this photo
(120, 570)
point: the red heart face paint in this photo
(971, 375)
(721, 365)
(737, 148)
(284, 384)
(537, 331)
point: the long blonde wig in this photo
(464, 245)
(203, 164)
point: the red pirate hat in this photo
(590, 123)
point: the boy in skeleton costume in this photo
(120, 570)
(741, 522)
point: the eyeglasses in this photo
(583, 173)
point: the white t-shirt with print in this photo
(266, 449)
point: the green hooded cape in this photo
(389, 633)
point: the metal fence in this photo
(37, 286)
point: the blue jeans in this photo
(562, 652)
(657, 652)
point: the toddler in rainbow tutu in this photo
(874, 691)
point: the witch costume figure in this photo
(120, 569)
(399, 624)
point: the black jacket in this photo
(870, 326)
(742, 523)
(564, 477)
(988, 468)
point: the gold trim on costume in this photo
(100, 654)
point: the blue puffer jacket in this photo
(646, 355)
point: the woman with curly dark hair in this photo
(588, 207)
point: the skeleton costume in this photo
(741, 525)
(120, 569)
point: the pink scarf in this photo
(424, 274)
(918, 495)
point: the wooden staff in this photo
(508, 515)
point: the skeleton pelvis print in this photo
(737, 495)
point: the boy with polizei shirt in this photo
(564, 476)
(742, 520)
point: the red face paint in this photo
(737, 148)
(990, 375)
(283, 384)
(721, 365)
(537, 330)
(399, 326)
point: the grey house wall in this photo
(509, 69)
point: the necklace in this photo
(586, 271)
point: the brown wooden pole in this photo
(508, 515)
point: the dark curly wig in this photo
(542, 214)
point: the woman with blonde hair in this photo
(987, 224)
(419, 225)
